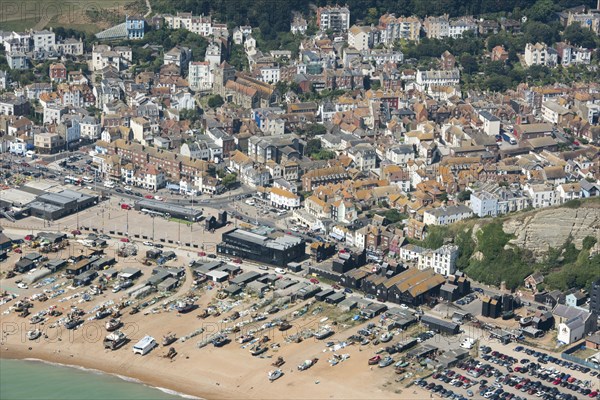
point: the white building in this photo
(484, 204)
(442, 260)
(539, 54)
(90, 128)
(270, 75)
(333, 18)
(457, 27)
(360, 37)
(43, 40)
(541, 195)
(200, 25)
(200, 76)
(425, 79)
(299, 25)
(553, 112)
(446, 215)
(282, 198)
(491, 123)
(400, 154)
(213, 55)
(17, 60)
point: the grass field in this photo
(39, 14)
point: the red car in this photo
(314, 280)
(237, 260)
(29, 237)
(125, 240)
(593, 394)
(149, 196)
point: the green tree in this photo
(313, 130)
(469, 63)
(313, 146)
(229, 180)
(464, 195)
(542, 10)
(215, 101)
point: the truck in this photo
(509, 138)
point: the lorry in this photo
(509, 138)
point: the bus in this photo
(73, 181)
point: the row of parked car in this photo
(544, 358)
(562, 379)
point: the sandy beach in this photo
(230, 372)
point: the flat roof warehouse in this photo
(169, 210)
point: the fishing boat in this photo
(284, 326)
(134, 310)
(24, 313)
(34, 334)
(258, 351)
(113, 324)
(385, 362)
(220, 341)
(374, 360)
(323, 333)
(275, 374)
(386, 337)
(102, 313)
(307, 364)
(245, 339)
(72, 322)
(169, 339)
(115, 340)
(526, 321)
(184, 306)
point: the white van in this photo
(109, 184)
(280, 271)
(145, 345)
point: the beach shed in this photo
(335, 298)
(373, 310)
(55, 265)
(257, 287)
(307, 292)
(80, 266)
(347, 304)
(217, 276)
(24, 265)
(110, 273)
(440, 325)
(130, 273)
(104, 262)
(245, 278)
(323, 294)
(85, 279)
(285, 283)
(294, 267)
(168, 285)
(232, 290)
(158, 278)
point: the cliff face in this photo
(553, 227)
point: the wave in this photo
(122, 377)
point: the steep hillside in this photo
(560, 242)
(551, 228)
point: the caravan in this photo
(145, 345)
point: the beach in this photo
(229, 372)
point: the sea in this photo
(33, 379)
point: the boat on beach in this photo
(184, 306)
(220, 341)
(258, 351)
(284, 326)
(115, 340)
(169, 339)
(245, 339)
(102, 313)
(34, 334)
(374, 360)
(323, 333)
(275, 374)
(113, 324)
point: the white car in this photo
(22, 285)
(280, 271)
(148, 244)
(158, 198)
(127, 188)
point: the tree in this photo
(469, 63)
(542, 11)
(313, 130)
(215, 101)
(578, 36)
(313, 146)
(394, 215)
(464, 195)
(229, 180)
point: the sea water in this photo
(31, 380)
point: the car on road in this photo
(137, 194)
(280, 271)
(158, 245)
(147, 243)
(22, 285)
(314, 280)
(119, 190)
(158, 198)
(148, 196)
(127, 187)
(263, 267)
